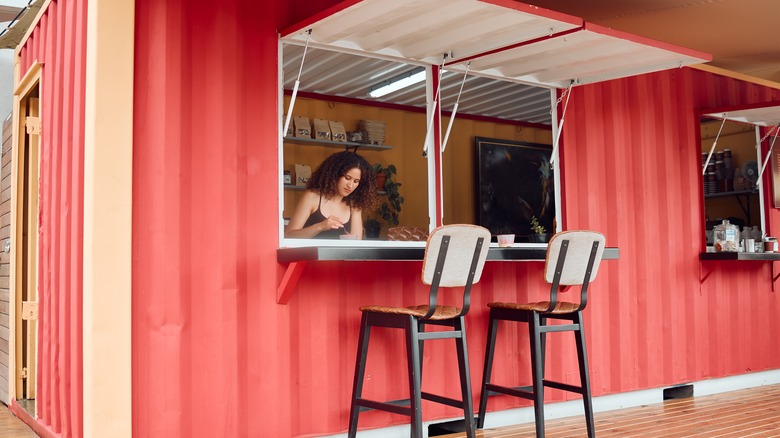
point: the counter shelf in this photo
(297, 258)
(741, 257)
(737, 256)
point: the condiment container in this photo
(726, 237)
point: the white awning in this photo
(763, 114)
(503, 39)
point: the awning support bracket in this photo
(455, 108)
(566, 93)
(295, 87)
(712, 149)
(432, 117)
(768, 154)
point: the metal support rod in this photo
(295, 87)
(432, 116)
(560, 126)
(455, 109)
(712, 149)
(768, 154)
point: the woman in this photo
(337, 193)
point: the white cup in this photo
(505, 240)
(750, 245)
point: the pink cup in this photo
(505, 240)
(348, 237)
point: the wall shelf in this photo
(738, 196)
(335, 144)
(735, 193)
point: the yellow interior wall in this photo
(405, 133)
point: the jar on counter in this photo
(726, 236)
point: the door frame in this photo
(30, 81)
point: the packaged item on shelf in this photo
(321, 129)
(375, 130)
(302, 174)
(337, 131)
(302, 127)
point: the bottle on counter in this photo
(755, 234)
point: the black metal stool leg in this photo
(413, 359)
(421, 343)
(582, 358)
(537, 373)
(488, 369)
(465, 377)
(543, 322)
(360, 369)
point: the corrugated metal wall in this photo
(210, 345)
(214, 355)
(59, 42)
(631, 170)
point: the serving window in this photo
(400, 147)
(736, 145)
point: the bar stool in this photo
(454, 257)
(572, 259)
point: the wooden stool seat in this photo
(441, 312)
(540, 306)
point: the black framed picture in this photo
(515, 184)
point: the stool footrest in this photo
(558, 328)
(518, 391)
(399, 407)
(441, 399)
(563, 386)
(454, 334)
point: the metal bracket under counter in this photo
(741, 256)
(297, 258)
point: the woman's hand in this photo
(331, 223)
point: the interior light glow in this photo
(397, 83)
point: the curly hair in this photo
(325, 178)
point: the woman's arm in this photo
(306, 206)
(356, 223)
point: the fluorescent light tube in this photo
(395, 84)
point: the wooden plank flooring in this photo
(751, 412)
(12, 427)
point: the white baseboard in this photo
(603, 403)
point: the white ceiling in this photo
(739, 33)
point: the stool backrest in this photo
(459, 256)
(578, 257)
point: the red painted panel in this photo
(58, 42)
(214, 355)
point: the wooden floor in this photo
(746, 413)
(12, 427)
(738, 414)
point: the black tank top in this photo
(318, 217)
